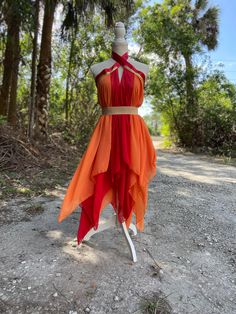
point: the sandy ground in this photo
(189, 232)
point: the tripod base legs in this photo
(112, 222)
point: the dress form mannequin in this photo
(120, 46)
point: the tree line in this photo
(20, 25)
(197, 102)
(48, 46)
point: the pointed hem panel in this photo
(94, 161)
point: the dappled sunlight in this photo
(81, 253)
(70, 246)
(183, 192)
(196, 170)
(55, 234)
(202, 178)
(23, 190)
(59, 192)
(152, 190)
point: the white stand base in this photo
(112, 222)
(129, 241)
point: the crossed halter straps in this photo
(120, 61)
(123, 61)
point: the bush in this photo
(212, 128)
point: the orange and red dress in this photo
(120, 158)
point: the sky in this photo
(226, 50)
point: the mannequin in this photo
(120, 46)
(120, 158)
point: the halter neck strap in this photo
(121, 60)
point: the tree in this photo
(12, 115)
(81, 9)
(176, 30)
(12, 13)
(32, 103)
(8, 60)
(44, 70)
(204, 23)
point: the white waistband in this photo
(119, 110)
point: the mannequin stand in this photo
(111, 223)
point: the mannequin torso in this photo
(98, 67)
(120, 46)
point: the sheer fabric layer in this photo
(95, 161)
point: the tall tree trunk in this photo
(190, 92)
(12, 115)
(33, 71)
(67, 104)
(191, 130)
(44, 71)
(7, 69)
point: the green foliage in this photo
(85, 111)
(189, 107)
(20, 10)
(81, 11)
(72, 60)
(153, 122)
(215, 117)
(197, 110)
(80, 37)
(165, 130)
(182, 28)
(3, 120)
(217, 99)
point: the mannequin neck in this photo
(120, 49)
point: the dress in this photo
(120, 159)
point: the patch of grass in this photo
(29, 169)
(24, 191)
(156, 304)
(9, 190)
(13, 188)
(229, 161)
(35, 182)
(167, 143)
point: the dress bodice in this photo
(127, 91)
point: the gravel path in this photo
(189, 233)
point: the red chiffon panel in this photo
(116, 177)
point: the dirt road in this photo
(189, 233)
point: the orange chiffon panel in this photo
(143, 163)
(94, 160)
